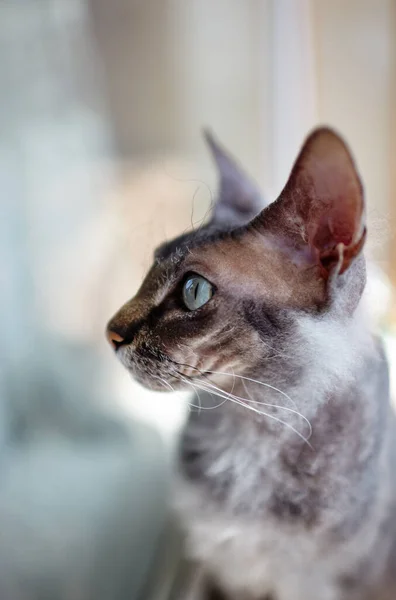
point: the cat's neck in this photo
(333, 409)
(327, 362)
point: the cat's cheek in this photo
(177, 348)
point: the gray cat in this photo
(285, 483)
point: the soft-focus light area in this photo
(101, 159)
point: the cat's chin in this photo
(157, 383)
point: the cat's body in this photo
(285, 482)
(270, 517)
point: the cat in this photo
(285, 482)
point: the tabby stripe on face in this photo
(213, 350)
(133, 330)
(216, 346)
(262, 318)
(129, 332)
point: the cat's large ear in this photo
(320, 214)
(238, 198)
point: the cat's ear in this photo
(238, 198)
(320, 213)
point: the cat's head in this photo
(225, 298)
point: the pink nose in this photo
(114, 338)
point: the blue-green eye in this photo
(197, 291)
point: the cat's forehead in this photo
(181, 245)
(243, 265)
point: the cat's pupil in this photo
(197, 291)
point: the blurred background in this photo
(101, 158)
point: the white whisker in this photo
(267, 385)
(238, 400)
(277, 406)
(196, 387)
(167, 385)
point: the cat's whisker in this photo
(195, 388)
(165, 383)
(208, 385)
(172, 389)
(238, 400)
(295, 411)
(242, 377)
(247, 391)
(267, 385)
(280, 407)
(198, 398)
(226, 395)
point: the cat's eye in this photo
(197, 291)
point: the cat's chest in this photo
(247, 504)
(252, 473)
(242, 506)
(252, 558)
(263, 470)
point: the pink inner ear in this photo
(338, 239)
(335, 227)
(334, 211)
(322, 204)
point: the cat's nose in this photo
(123, 327)
(115, 339)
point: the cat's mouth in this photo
(155, 370)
